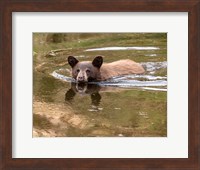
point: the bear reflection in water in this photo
(84, 89)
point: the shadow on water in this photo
(84, 89)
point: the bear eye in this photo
(78, 70)
(88, 71)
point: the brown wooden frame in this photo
(9, 6)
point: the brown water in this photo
(132, 105)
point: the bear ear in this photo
(98, 61)
(72, 61)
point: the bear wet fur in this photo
(96, 70)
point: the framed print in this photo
(99, 84)
(143, 96)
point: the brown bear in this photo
(96, 70)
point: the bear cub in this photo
(96, 70)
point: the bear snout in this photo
(82, 77)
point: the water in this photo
(122, 48)
(129, 105)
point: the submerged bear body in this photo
(96, 70)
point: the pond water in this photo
(123, 106)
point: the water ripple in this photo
(150, 83)
(122, 48)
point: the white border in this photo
(173, 146)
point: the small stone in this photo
(120, 135)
